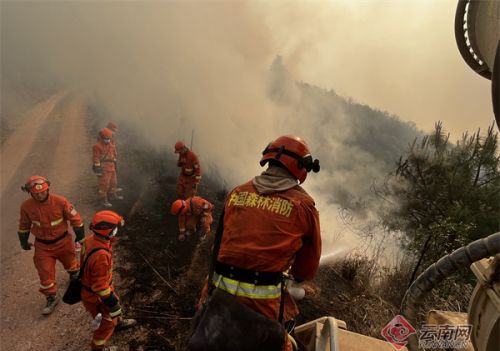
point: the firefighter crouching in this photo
(190, 174)
(270, 225)
(98, 295)
(104, 159)
(194, 214)
(46, 216)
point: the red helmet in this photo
(112, 126)
(179, 147)
(179, 207)
(106, 133)
(106, 223)
(36, 184)
(293, 153)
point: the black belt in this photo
(53, 241)
(247, 276)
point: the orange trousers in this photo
(107, 182)
(187, 187)
(45, 259)
(108, 324)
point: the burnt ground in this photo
(159, 278)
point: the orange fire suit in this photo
(199, 215)
(48, 222)
(104, 156)
(189, 176)
(97, 285)
(268, 233)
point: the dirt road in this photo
(52, 141)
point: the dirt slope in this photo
(52, 141)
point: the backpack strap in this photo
(82, 268)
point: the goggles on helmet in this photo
(306, 161)
(39, 184)
(37, 181)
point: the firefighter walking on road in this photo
(46, 216)
(270, 226)
(104, 159)
(194, 214)
(98, 293)
(190, 174)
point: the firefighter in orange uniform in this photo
(104, 158)
(113, 127)
(271, 225)
(46, 216)
(190, 175)
(98, 295)
(194, 213)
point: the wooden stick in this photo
(158, 273)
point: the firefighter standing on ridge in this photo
(98, 294)
(104, 159)
(190, 175)
(46, 215)
(194, 213)
(270, 225)
(114, 128)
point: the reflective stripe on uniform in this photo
(23, 231)
(44, 287)
(99, 342)
(242, 289)
(188, 169)
(104, 292)
(56, 222)
(36, 223)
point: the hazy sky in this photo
(397, 55)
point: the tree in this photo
(443, 195)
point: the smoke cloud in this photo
(168, 68)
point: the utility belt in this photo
(247, 276)
(53, 241)
(245, 283)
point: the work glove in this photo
(97, 170)
(23, 239)
(113, 305)
(79, 233)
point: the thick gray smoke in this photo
(168, 68)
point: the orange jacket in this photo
(270, 233)
(197, 207)
(48, 220)
(104, 155)
(190, 165)
(98, 272)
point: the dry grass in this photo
(367, 296)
